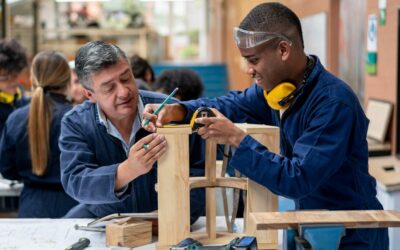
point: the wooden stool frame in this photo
(174, 187)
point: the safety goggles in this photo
(248, 39)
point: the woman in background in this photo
(29, 142)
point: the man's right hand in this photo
(142, 155)
(170, 112)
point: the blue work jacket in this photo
(324, 153)
(7, 108)
(42, 196)
(90, 158)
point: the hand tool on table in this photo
(244, 243)
(82, 243)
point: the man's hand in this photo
(142, 155)
(170, 112)
(220, 129)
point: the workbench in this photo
(386, 171)
(9, 196)
(42, 234)
(9, 188)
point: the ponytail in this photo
(39, 131)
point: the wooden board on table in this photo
(133, 233)
(348, 218)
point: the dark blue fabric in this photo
(42, 196)
(324, 154)
(89, 161)
(6, 109)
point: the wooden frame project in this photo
(174, 187)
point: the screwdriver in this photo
(82, 243)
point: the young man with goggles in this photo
(323, 162)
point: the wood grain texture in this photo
(211, 208)
(133, 233)
(183, 129)
(231, 182)
(348, 218)
(386, 171)
(173, 190)
(259, 198)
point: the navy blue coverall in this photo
(89, 160)
(324, 152)
(42, 196)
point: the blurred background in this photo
(197, 34)
(185, 31)
(356, 40)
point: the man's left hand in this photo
(220, 129)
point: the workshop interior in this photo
(200, 124)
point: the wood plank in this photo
(259, 198)
(348, 218)
(228, 182)
(257, 128)
(211, 207)
(173, 190)
(379, 146)
(175, 129)
(133, 233)
(386, 171)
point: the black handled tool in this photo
(82, 243)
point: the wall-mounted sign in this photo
(382, 12)
(372, 37)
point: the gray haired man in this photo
(104, 164)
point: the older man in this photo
(104, 164)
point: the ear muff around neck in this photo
(10, 98)
(282, 95)
(276, 98)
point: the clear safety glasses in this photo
(248, 39)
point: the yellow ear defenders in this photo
(10, 98)
(281, 95)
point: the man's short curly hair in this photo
(273, 17)
(12, 56)
(189, 83)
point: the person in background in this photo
(12, 61)
(77, 94)
(29, 149)
(108, 161)
(323, 163)
(189, 83)
(143, 72)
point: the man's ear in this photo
(89, 95)
(285, 49)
